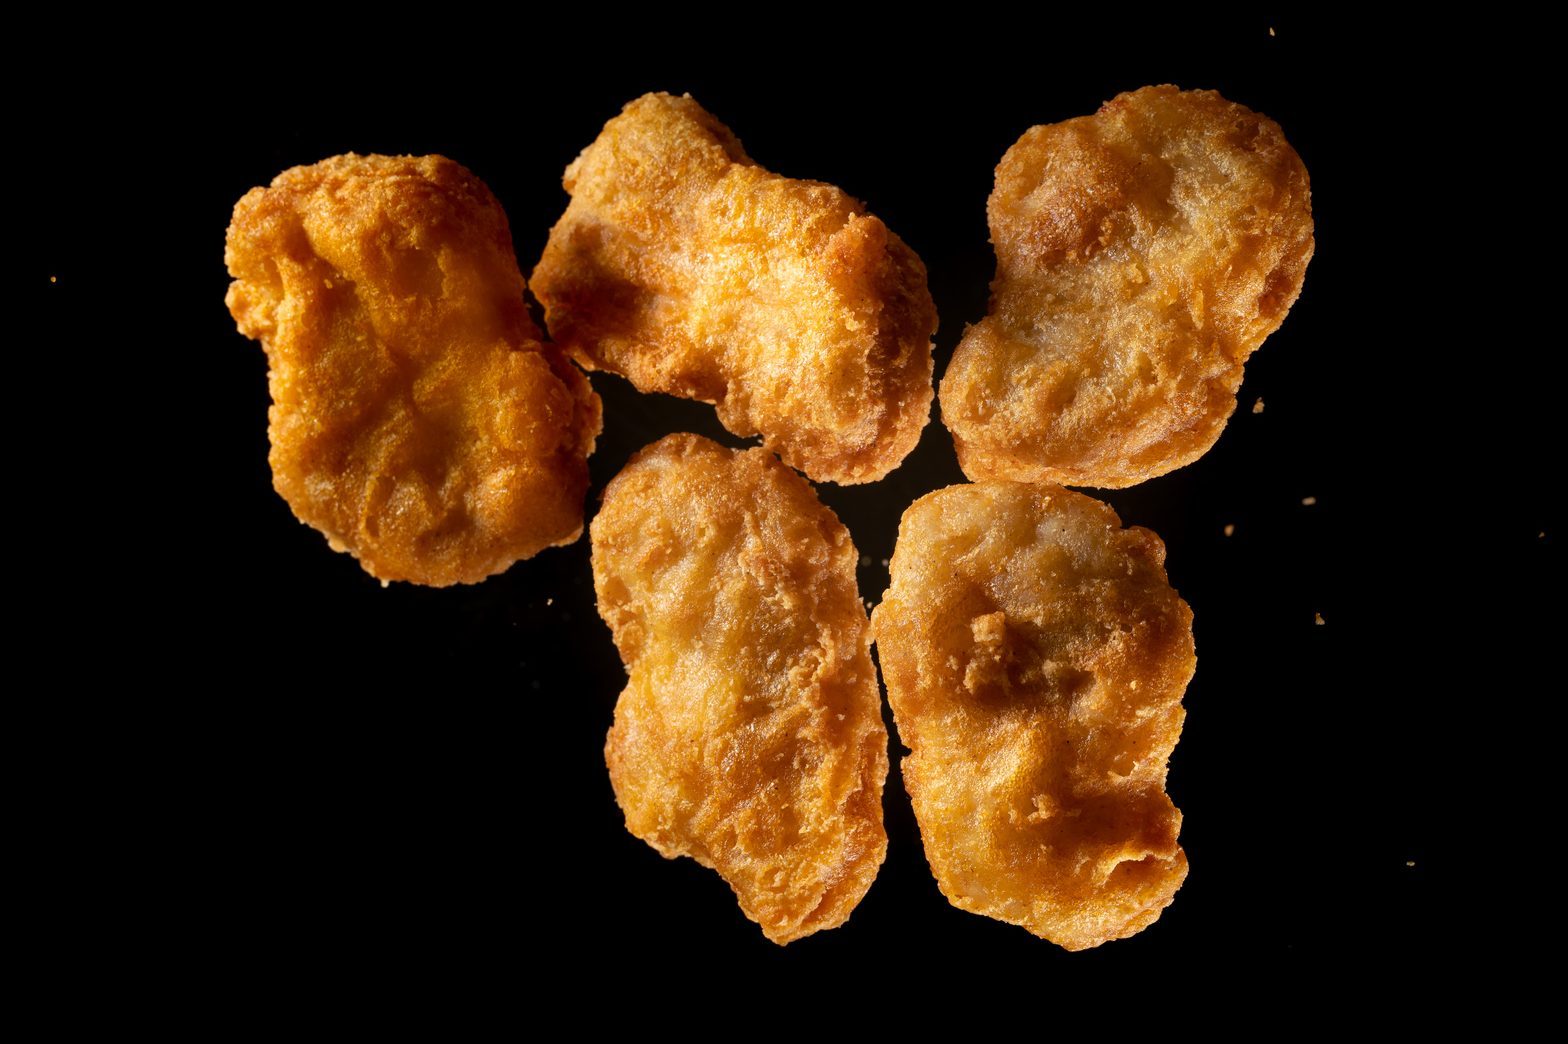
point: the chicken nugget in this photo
(417, 421)
(1035, 657)
(684, 266)
(1142, 254)
(749, 735)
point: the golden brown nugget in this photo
(417, 421)
(1035, 657)
(687, 268)
(750, 734)
(1142, 254)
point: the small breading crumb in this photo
(1271, 30)
(1230, 530)
(1410, 862)
(1308, 501)
(1317, 618)
(549, 601)
(1257, 407)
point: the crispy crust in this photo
(1142, 254)
(749, 735)
(417, 421)
(1035, 658)
(684, 266)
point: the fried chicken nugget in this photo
(687, 268)
(750, 734)
(417, 421)
(1142, 254)
(1035, 657)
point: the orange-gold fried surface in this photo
(687, 268)
(416, 419)
(749, 735)
(1142, 254)
(1035, 657)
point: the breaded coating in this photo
(687, 268)
(1142, 254)
(750, 734)
(1035, 657)
(417, 421)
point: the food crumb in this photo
(1257, 407)
(1271, 30)
(1308, 501)
(1410, 862)
(549, 601)
(1229, 529)
(884, 563)
(1541, 535)
(1317, 618)
(54, 279)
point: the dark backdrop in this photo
(308, 785)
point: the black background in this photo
(308, 787)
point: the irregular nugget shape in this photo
(1142, 254)
(750, 734)
(687, 268)
(417, 421)
(1035, 657)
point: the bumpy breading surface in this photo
(684, 266)
(1142, 254)
(416, 419)
(750, 734)
(1035, 659)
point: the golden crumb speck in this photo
(54, 279)
(549, 601)
(1317, 618)
(1230, 530)
(1410, 862)
(1308, 501)
(1257, 407)
(1271, 30)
